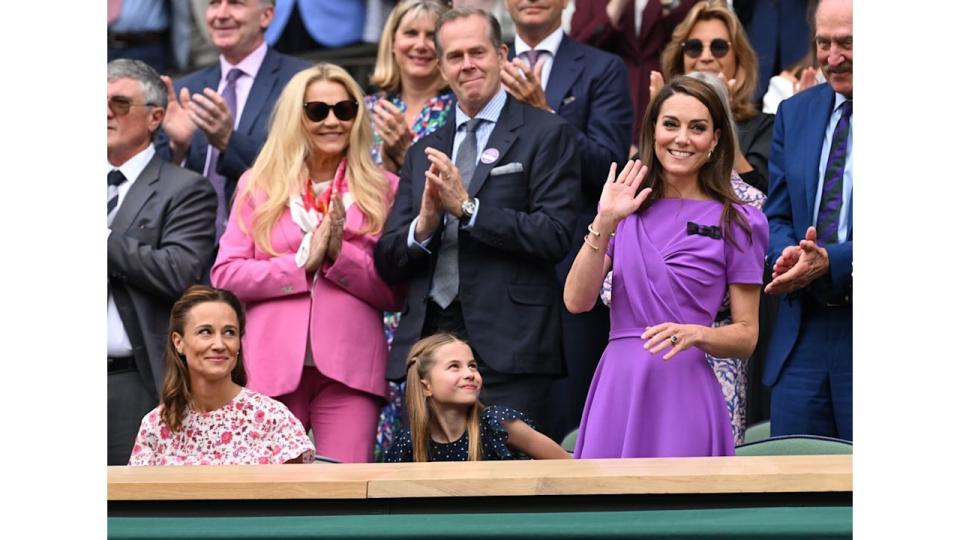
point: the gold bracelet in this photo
(595, 232)
(586, 240)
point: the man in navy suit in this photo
(589, 89)
(221, 119)
(484, 211)
(809, 362)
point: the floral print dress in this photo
(433, 115)
(251, 429)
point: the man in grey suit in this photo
(160, 240)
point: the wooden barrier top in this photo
(754, 474)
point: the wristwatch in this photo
(469, 208)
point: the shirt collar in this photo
(249, 65)
(550, 43)
(490, 111)
(838, 100)
(132, 167)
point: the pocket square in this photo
(516, 166)
(568, 100)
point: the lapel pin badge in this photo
(489, 155)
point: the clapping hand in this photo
(523, 83)
(446, 180)
(800, 266)
(318, 245)
(209, 111)
(176, 122)
(336, 215)
(394, 133)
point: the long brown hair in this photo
(714, 176)
(420, 360)
(746, 74)
(176, 395)
(280, 169)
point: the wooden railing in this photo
(767, 474)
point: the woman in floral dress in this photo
(206, 416)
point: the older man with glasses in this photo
(160, 240)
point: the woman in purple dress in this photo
(683, 240)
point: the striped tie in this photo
(114, 179)
(831, 198)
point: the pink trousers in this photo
(343, 420)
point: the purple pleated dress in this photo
(640, 405)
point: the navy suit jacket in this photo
(798, 136)
(251, 132)
(509, 294)
(589, 88)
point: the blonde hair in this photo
(386, 72)
(280, 169)
(420, 361)
(746, 73)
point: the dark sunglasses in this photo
(693, 48)
(121, 105)
(317, 111)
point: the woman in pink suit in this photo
(298, 251)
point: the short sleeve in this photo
(494, 434)
(401, 451)
(145, 445)
(290, 436)
(745, 255)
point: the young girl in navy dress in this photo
(447, 420)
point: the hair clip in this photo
(712, 231)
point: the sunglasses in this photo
(317, 111)
(693, 48)
(121, 105)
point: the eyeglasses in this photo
(317, 111)
(120, 105)
(693, 48)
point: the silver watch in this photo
(469, 208)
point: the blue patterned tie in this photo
(831, 198)
(218, 180)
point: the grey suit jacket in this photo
(161, 242)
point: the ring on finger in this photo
(674, 340)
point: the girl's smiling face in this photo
(454, 378)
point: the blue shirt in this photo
(142, 16)
(843, 227)
(490, 113)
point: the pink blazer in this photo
(342, 308)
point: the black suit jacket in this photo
(509, 293)
(246, 141)
(161, 242)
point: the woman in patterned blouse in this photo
(412, 103)
(413, 100)
(206, 416)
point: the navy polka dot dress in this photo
(493, 437)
